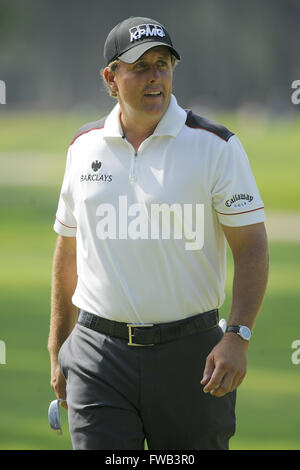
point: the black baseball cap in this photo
(131, 38)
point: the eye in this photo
(163, 64)
(140, 65)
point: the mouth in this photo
(153, 94)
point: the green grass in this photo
(44, 133)
(268, 400)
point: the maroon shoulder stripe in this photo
(198, 122)
(90, 126)
(84, 132)
(68, 226)
(238, 213)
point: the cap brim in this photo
(136, 52)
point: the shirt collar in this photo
(112, 126)
(170, 124)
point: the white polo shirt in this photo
(150, 247)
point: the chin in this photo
(156, 109)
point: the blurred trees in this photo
(233, 52)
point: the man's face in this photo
(144, 88)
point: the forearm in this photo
(251, 264)
(226, 365)
(64, 279)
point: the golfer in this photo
(151, 195)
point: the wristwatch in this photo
(243, 331)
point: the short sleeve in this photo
(235, 195)
(65, 222)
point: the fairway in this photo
(268, 407)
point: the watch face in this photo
(245, 332)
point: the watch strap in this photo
(233, 329)
(243, 331)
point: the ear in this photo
(109, 77)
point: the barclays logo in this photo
(96, 165)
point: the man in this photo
(146, 357)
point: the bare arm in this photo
(251, 262)
(227, 363)
(63, 312)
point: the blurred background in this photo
(239, 60)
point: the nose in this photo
(154, 75)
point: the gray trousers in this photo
(119, 395)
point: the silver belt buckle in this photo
(131, 333)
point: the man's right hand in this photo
(58, 384)
(63, 312)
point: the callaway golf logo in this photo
(155, 222)
(239, 200)
(145, 30)
(95, 166)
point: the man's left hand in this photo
(225, 366)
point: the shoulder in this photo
(198, 122)
(90, 126)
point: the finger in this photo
(224, 387)
(61, 393)
(208, 370)
(237, 381)
(215, 380)
(64, 404)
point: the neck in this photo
(136, 131)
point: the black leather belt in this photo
(148, 334)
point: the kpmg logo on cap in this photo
(145, 30)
